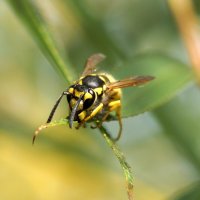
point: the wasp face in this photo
(86, 95)
(80, 98)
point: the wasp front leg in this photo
(84, 118)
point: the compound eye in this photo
(69, 97)
(87, 103)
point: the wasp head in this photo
(80, 98)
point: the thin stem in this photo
(125, 166)
(30, 15)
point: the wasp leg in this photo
(118, 113)
(115, 106)
(92, 114)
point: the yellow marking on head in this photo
(87, 96)
(98, 90)
(78, 94)
(71, 90)
(82, 115)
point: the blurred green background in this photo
(162, 146)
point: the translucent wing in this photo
(130, 82)
(91, 63)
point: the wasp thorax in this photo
(92, 81)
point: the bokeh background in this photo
(162, 146)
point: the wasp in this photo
(95, 95)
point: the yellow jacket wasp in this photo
(95, 95)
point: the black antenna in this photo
(55, 107)
(72, 115)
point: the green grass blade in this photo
(29, 14)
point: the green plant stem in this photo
(125, 166)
